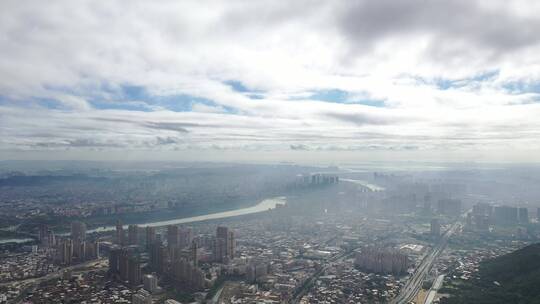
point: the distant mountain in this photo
(511, 278)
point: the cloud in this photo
(167, 140)
(404, 76)
(362, 119)
(171, 126)
(300, 147)
(490, 25)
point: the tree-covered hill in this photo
(511, 278)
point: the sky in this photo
(300, 81)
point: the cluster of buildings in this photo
(90, 287)
(484, 215)
(72, 249)
(67, 250)
(276, 258)
(343, 283)
(20, 266)
(285, 259)
(175, 258)
(382, 260)
(317, 179)
(125, 265)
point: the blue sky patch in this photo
(134, 92)
(522, 87)
(129, 106)
(333, 95)
(137, 98)
(341, 96)
(239, 87)
(446, 83)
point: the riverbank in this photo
(262, 206)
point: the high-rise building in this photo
(185, 273)
(255, 270)
(222, 232)
(505, 214)
(231, 245)
(66, 252)
(185, 237)
(44, 235)
(435, 227)
(114, 260)
(150, 283)
(51, 239)
(79, 250)
(173, 236)
(481, 209)
(382, 260)
(119, 235)
(195, 254)
(225, 245)
(134, 271)
(158, 257)
(123, 265)
(78, 231)
(150, 236)
(523, 214)
(92, 250)
(133, 234)
(220, 250)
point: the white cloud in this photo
(427, 61)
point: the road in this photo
(412, 286)
(433, 291)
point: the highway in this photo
(412, 286)
(433, 291)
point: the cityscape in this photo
(336, 237)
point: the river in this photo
(364, 183)
(15, 240)
(262, 206)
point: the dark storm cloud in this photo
(365, 22)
